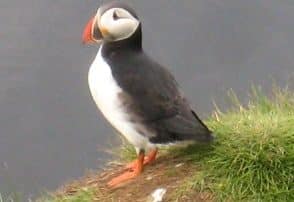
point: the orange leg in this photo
(147, 160)
(130, 174)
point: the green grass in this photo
(253, 156)
(11, 197)
(84, 195)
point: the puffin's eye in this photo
(115, 16)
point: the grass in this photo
(83, 195)
(12, 197)
(252, 158)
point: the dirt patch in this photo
(166, 172)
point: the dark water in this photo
(50, 129)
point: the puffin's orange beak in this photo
(92, 32)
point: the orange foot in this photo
(147, 160)
(130, 174)
(115, 182)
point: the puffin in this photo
(138, 96)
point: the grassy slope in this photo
(251, 160)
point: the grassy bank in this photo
(252, 159)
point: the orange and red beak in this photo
(92, 32)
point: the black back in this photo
(151, 94)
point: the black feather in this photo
(151, 94)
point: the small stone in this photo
(179, 165)
(149, 177)
(157, 195)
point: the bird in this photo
(138, 96)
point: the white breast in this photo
(105, 90)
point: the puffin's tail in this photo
(208, 136)
(179, 128)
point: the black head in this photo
(113, 22)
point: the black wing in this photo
(153, 95)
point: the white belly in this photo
(105, 91)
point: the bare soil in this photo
(166, 172)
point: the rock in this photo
(179, 165)
(157, 195)
(149, 178)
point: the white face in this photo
(116, 24)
